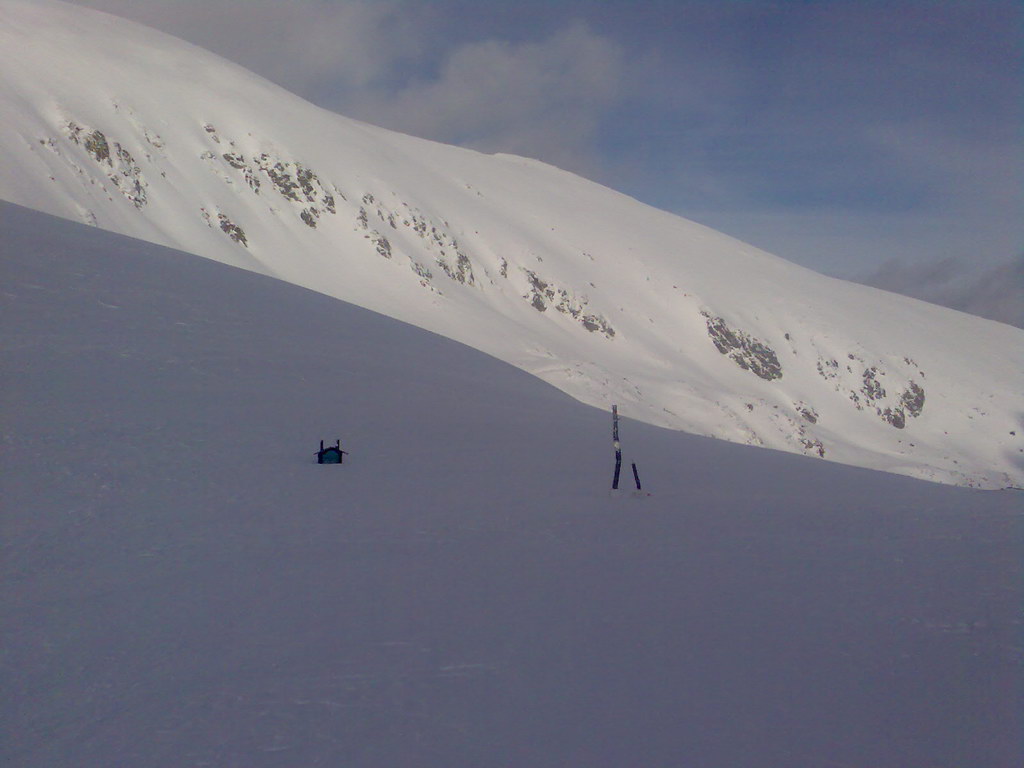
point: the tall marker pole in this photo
(618, 447)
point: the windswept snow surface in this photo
(181, 585)
(110, 123)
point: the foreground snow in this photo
(116, 125)
(182, 586)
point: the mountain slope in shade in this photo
(610, 300)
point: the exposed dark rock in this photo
(913, 399)
(435, 234)
(828, 368)
(420, 270)
(238, 162)
(293, 180)
(96, 145)
(463, 269)
(279, 177)
(542, 295)
(235, 160)
(872, 389)
(748, 353)
(894, 416)
(233, 230)
(866, 389)
(808, 413)
(310, 215)
(253, 180)
(128, 177)
(120, 167)
(382, 245)
(813, 444)
(306, 178)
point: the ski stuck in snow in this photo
(639, 492)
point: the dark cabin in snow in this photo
(332, 454)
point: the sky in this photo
(867, 140)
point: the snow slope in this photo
(181, 585)
(117, 125)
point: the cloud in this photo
(542, 98)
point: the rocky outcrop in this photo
(912, 399)
(434, 233)
(542, 295)
(864, 385)
(807, 412)
(227, 226)
(748, 353)
(118, 164)
(312, 199)
(291, 179)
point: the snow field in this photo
(183, 585)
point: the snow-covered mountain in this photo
(610, 300)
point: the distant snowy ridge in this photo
(996, 292)
(110, 123)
